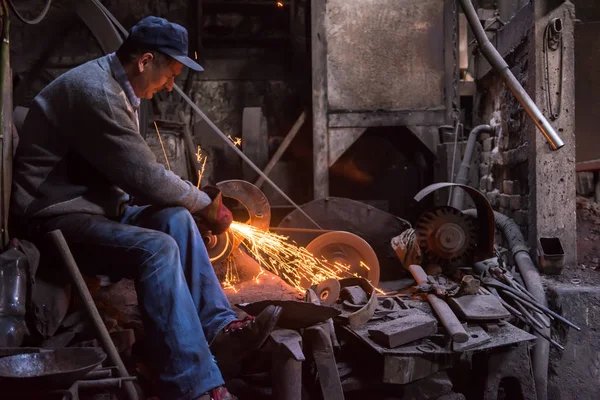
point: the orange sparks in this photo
(200, 159)
(279, 4)
(292, 263)
(236, 140)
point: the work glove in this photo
(216, 217)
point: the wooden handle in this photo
(441, 308)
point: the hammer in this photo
(441, 308)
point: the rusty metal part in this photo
(446, 236)
(319, 342)
(88, 303)
(56, 368)
(442, 310)
(295, 314)
(252, 198)
(361, 316)
(328, 291)
(485, 217)
(341, 214)
(287, 356)
(347, 249)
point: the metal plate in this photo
(295, 314)
(252, 198)
(348, 249)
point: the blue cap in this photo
(158, 34)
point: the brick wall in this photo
(503, 163)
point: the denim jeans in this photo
(180, 298)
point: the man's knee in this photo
(176, 218)
(161, 255)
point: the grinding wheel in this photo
(348, 249)
(328, 291)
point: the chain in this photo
(455, 79)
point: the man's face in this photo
(155, 76)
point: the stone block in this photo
(515, 202)
(585, 183)
(488, 144)
(574, 372)
(486, 183)
(504, 201)
(508, 187)
(493, 197)
(484, 169)
(516, 187)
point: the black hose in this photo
(34, 21)
(533, 282)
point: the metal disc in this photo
(219, 247)
(328, 291)
(252, 198)
(349, 249)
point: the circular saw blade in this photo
(348, 249)
(446, 236)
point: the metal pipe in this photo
(533, 282)
(89, 305)
(500, 65)
(240, 153)
(465, 167)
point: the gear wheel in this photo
(446, 236)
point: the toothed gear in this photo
(446, 236)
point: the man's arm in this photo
(104, 133)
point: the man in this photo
(79, 159)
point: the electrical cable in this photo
(34, 21)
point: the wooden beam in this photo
(319, 94)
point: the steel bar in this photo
(500, 65)
(544, 309)
(89, 305)
(532, 320)
(282, 148)
(240, 153)
(299, 230)
(543, 335)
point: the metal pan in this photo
(55, 368)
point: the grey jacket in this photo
(80, 151)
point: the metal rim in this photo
(252, 198)
(347, 247)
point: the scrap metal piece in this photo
(319, 342)
(328, 291)
(485, 217)
(354, 295)
(347, 249)
(477, 337)
(287, 357)
(403, 330)
(295, 314)
(364, 314)
(446, 236)
(478, 307)
(252, 198)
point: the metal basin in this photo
(56, 368)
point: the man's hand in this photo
(216, 216)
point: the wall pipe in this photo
(498, 63)
(533, 282)
(465, 167)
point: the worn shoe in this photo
(241, 337)
(219, 393)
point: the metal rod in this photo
(533, 320)
(282, 148)
(301, 230)
(500, 65)
(539, 332)
(89, 305)
(240, 153)
(544, 309)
